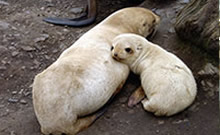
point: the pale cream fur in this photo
(168, 83)
(85, 76)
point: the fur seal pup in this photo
(85, 76)
(168, 83)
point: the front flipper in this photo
(77, 22)
(136, 97)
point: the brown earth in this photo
(28, 45)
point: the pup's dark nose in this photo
(115, 54)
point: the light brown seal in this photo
(85, 76)
(167, 82)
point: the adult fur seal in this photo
(167, 82)
(85, 76)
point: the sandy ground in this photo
(28, 45)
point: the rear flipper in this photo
(136, 97)
(77, 22)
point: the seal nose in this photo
(115, 54)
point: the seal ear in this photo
(139, 47)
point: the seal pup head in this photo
(136, 20)
(127, 48)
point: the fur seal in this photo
(85, 76)
(168, 83)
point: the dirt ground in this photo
(28, 45)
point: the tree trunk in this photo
(198, 23)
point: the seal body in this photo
(85, 76)
(168, 83)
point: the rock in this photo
(14, 92)
(197, 23)
(211, 93)
(161, 122)
(27, 93)
(55, 51)
(209, 69)
(77, 10)
(180, 121)
(22, 101)
(2, 48)
(14, 53)
(171, 30)
(37, 64)
(12, 133)
(210, 84)
(43, 37)
(3, 67)
(13, 100)
(184, 1)
(194, 107)
(4, 25)
(28, 48)
(4, 3)
(203, 83)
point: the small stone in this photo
(27, 94)
(55, 51)
(43, 37)
(4, 3)
(28, 48)
(177, 122)
(65, 30)
(209, 69)
(21, 91)
(3, 67)
(203, 83)
(48, 1)
(210, 84)
(171, 30)
(13, 100)
(77, 10)
(184, 1)
(194, 107)
(211, 94)
(158, 131)
(37, 64)
(2, 48)
(4, 25)
(22, 101)
(161, 122)
(12, 133)
(47, 57)
(23, 67)
(14, 53)
(14, 92)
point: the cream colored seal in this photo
(167, 82)
(85, 76)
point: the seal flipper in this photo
(77, 22)
(70, 22)
(136, 97)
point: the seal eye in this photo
(128, 50)
(112, 48)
